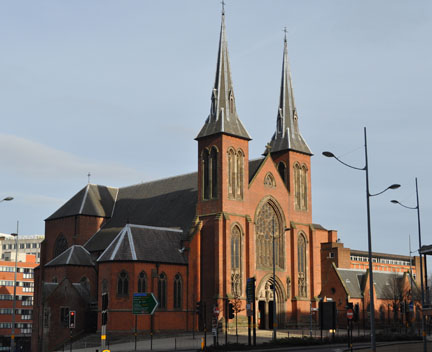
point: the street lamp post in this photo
(14, 293)
(368, 195)
(417, 207)
(274, 283)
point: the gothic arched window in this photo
(282, 171)
(236, 266)
(162, 291)
(301, 266)
(177, 291)
(297, 188)
(123, 284)
(142, 282)
(231, 174)
(239, 174)
(60, 245)
(304, 188)
(214, 172)
(268, 226)
(206, 176)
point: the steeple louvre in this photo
(223, 116)
(287, 135)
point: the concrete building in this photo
(26, 245)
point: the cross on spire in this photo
(223, 7)
(88, 175)
(285, 31)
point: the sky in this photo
(120, 89)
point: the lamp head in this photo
(394, 201)
(394, 186)
(328, 154)
(8, 198)
(14, 234)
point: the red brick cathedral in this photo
(190, 238)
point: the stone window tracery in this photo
(177, 291)
(210, 173)
(60, 245)
(236, 262)
(300, 187)
(269, 225)
(235, 173)
(269, 180)
(301, 266)
(162, 290)
(142, 282)
(123, 284)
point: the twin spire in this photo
(223, 116)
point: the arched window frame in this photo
(264, 228)
(178, 291)
(123, 284)
(60, 245)
(236, 260)
(142, 282)
(269, 180)
(162, 291)
(297, 186)
(239, 174)
(206, 174)
(214, 172)
(282, 172)
(231, 173)
(304, 188)
(302, 264)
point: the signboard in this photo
(327, 315)
(350, 314)
(250, 290)
(144, 303)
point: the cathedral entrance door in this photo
(261, 315)
(266, 302)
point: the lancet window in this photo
(301, 266)
(162, 290)
(269, 228)
(235, 173)
(210, 173)
(142, 282)
(178, 285)
(123, 284)
(60, 245)
(236, 261)
(282, 172)
(300, 187)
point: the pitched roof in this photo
(223, 116)
(145, 243)
(74, 255)
(287, 135)
(93, 200)
(352, 280)
(169, 203)
(254, 166)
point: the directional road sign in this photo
(144, 303)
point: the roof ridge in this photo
(160, 179)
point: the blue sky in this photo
(121, 89)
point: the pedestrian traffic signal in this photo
(356, 312)
(105, 301)
(231, 311)
(72, 319)
(198, 308)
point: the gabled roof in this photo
(287, 135)
(223, 116)
(169, 203)
(145, 243)
(352, 280)
(74, 255)
(92, 200)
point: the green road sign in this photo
(144, 303)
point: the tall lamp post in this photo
(368, 195)
(274, 282)
(417, 207)
(14, 293)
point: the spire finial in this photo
(223, 7)
(285, 31)
(88, 175)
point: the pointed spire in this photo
(287, 135)
(223, 116)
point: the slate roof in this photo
(386, 283)
(145, 243)
(92, 200)
(74, 255)
(287, 135)
(169, 203)
(223, 116)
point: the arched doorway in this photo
(266, 302)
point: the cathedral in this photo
(190, 238)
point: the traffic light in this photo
(198, 308)
(356, 312)
(231, 311)
(72, 319)
(104, 317)
(104, 301)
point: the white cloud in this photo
(34, 160)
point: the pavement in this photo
(190, 342)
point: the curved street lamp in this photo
(417, 207)
(368, 195)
